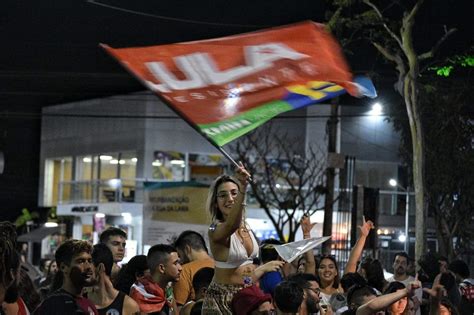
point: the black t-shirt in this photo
(115, 308)
(62, 302)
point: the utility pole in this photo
(330, 175)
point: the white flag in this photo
(290, 251)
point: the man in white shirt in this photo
(400, 267)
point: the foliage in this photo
(449, 158)
(25, 217)
(287, 176)
(445, 70)
(390, 28)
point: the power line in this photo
(9, 114)
(174, 19)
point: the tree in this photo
(391, 31)
(445, 101)
(287, 176)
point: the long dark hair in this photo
(28, 291)
(7, 251)
(374, 273)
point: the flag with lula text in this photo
(228, 86)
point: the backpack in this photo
(467, 290)
(59, 302)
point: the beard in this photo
(312, 305)
(81, 279)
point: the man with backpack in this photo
(77, 271)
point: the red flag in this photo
(228, 86)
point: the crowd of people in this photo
(239, 275)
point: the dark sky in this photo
(49, 54)
(50, 48)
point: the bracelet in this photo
(243, 204)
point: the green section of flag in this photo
(225, 131)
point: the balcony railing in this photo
(102, 190)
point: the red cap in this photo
(249, 299)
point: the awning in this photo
(38, 234)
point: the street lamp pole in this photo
(394, 183)
(407, 217)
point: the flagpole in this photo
(227, 155)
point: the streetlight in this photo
(393, 182)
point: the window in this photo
(57, 171)
(169, 165)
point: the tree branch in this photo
(431, 53)
(381, 17)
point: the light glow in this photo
(376, 109)
(115, 183)
(177, 162)
(105, 157)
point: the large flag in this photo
(228, 86)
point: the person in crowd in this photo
(328, 279)
(428, 270)
(465, 284)
(439, 304)
(105, 297)
(301, 265)
(372, 270)
(328, 270)
(152, 292)
(358, 295)
(398, 307)
(356, 252)
(76, 272)
(443, 264)
(309, 283)
(411, 268)
(351, 279)
(252, 301)
(201, 281)
(411, 307)
(7, 257)
(400, 266)
(288, 297)
(115, 239)
(309, 261)
(268, 253)
(194, 255)
(134, 271)
(13, 303)
(448, 281)
(43, 267)
(232, 243)
(45, 285)
(28, 291)
(383, 302)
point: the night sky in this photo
(50, 55)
